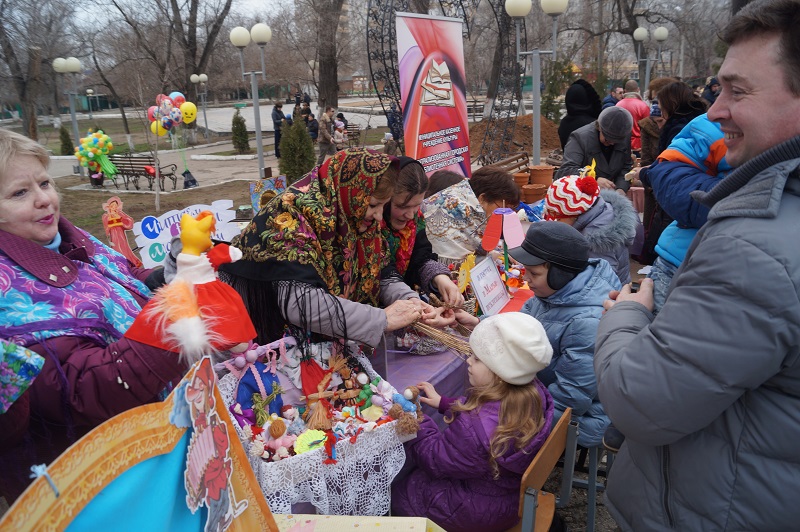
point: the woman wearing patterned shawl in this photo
(404, 229)
(314, 259)
(69, 298)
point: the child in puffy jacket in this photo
(468, 476)
(694, 160)
(606, 219)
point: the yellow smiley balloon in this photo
(189, 112)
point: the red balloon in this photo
(160, 97)
(153, 113)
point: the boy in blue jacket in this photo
(695, 160)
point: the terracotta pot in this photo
(533, 193)
(522, 178)
(542, 174)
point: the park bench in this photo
(134, 167)
(513, 164)
(353, 135)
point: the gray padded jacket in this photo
(708, 393)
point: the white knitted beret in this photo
(513, 345)
(570, 196)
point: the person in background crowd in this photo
(277, 123)
(503, 421)
(607, 142)
(583, 107)
(613, 97)
(633, 103)
(707, 392)
(305, 110)
(70, 298)
(313, 127)
(440, 180)
(711, 91)
(342, 119)
(325, 138)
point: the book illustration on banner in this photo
(144, 469)
(437, 86)
(208, 463)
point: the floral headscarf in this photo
(315, 223)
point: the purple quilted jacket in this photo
(451, 482)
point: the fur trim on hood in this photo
(610, 236)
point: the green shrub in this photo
(67, 148)
(297, 152)
(241, 141)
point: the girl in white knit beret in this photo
(468, 476)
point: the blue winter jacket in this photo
(695, 160)
(570, 318)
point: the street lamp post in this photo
(518, 9)
(70, 65)
(202, 79)
(89, 93)
(261, 34)
(640, 35)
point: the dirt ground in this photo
(523, 135)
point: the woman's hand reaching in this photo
(430, 397)
(448, 290)
(466, 319)
(404, 312)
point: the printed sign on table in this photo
(489, 287)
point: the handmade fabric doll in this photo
(196, 313)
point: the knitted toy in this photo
(196, 313)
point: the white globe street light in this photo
(261, 34)
(640, 35)
(70, 65)
(89, 93)
(518, 9)
(203, 95)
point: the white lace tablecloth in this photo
(358, 484)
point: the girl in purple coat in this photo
(468, 476)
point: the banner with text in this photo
(430, 52)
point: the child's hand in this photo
(465, 318)
(431, 397)
(442, 318)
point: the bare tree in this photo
(27, 54)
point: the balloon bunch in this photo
(170, 111)
(93, 153)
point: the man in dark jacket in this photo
(313, 127)
(607, 142)
(613, 97)
(277, 121)
(711, 91)
(707, 393)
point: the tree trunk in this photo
(419, 6)
(326, 43)
(491, 90)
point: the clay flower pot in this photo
(542, 174)
(533, 192)
(522, 178)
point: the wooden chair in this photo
(537, 508)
